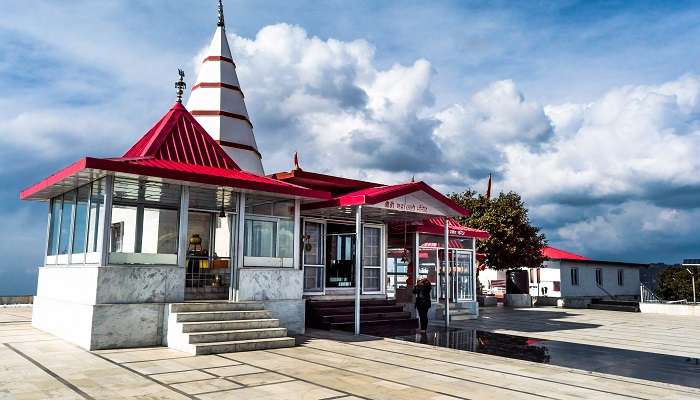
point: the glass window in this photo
(122, 231)
(212, 199)
(81, 215)
(222, 238)
(55, 227)
(574, 276)
(159, 231)
(66, 222)
(431, 241)
(96, 202)
(313, 238)
(620, 277)
(144, 225)
(269, 231)
(259, 238)
(599, 276)
(371, 247)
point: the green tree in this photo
(676, 284)
(514, 242)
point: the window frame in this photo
(275, 261)
(382, 259)
(599, 277)
(620, 277)
(322, 265)
(140, 204)
(574, 276)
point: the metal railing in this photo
(648, 296)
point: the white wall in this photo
(587, 285)
(548, 275)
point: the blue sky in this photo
(589, 109)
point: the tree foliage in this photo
(514, 242)
(676, 284)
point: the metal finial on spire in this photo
(296, 162)
(221, 15)
(180, 85)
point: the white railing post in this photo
(106, 218)
(447, 272)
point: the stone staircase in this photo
(223, 327)
(614, 305)
(376, 315)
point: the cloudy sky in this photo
(590, 110)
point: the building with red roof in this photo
(187, 214)
(571, 280)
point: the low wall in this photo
(545, 301)
(10, 300)
(517, 300)
(670, 309)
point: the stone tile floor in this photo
(325, 365)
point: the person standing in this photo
(422, 291)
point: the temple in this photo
(183, 241)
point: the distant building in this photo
(573, 278)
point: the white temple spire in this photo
(217, 103)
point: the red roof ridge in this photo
(177, 136)
(559, 254)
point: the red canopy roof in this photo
(381, 194)
(558, 254)
(175, 148)
(436, 225)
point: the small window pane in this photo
(122, 232)
(55, 227)
(371, 281)
(599, 276)
(159, 231)
(81, 215)
(431, 241)
(96, 201)
(285, 238)
(283, 209)
(621, 277)
(222, 238)
(66, 220)
(212, 199)
(259, 238)
(313, 279)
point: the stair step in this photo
(377, 324)
(610, 307)
(363, 309)
(235, 335)
(216, 306)
(243, 345)
(209, 326)
(314, 304)
(367, 317)
(222, 315)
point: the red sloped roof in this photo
(179, 137)
(558, 254)
(375, 195)
(176, 148)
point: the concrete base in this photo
(291, 314)
(545, 301)
(100, 326)
(517, 300)
(670, 309)
(574, 302)
(488, 301)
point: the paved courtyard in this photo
(653, 333)
(36, 365)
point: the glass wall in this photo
(144, 225)
(431, 258)
(74, 223)
(269, 232)
(209, 233)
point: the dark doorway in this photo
(340, 256)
